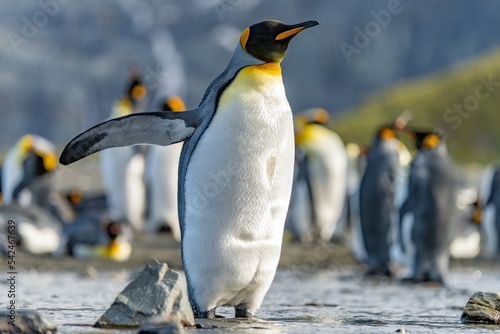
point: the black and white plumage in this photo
(235, 171)
(376, 200)
(432, 203)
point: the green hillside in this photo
(463, 101)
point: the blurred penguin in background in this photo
(378, 194)
(319, 191)
(357, 158)
(162, 167)
(122, 168)
(37, 230)
(432, 202)
(93, 235)
(31, 160)
(1, 194)
(487, 214)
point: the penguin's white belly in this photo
(161, 173)
(328, 173)
(12, 174)
(122, 172)
(237, 190)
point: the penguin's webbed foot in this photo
(241, 311)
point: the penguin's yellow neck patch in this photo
(263, 80)
(310, 133)
(273, 69)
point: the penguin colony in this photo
(227, 178)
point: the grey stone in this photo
(482, 308)
(25, 322)
(158, 292)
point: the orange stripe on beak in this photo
(289, 33)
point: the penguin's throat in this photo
(266, 69)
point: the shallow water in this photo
(340, 301)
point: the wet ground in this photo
(317, 289)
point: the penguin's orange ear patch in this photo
(244, 39)
(387, 133)
(27, 143)
(477, 216)
(139, 92)
(321, 115)
(431, 141)
(176, 104)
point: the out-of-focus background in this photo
(63, 63)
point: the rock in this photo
(158, 292)
(482, 308)
(25, 322)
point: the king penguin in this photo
(29, 159)
(488, 213)
(122, 168)
(235, 171)
(376, 199)
(162, 165)
(326, 173)
(433, 190)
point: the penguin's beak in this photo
(294, 29)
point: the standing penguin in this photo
(326, 171)
(29, 159)
(488, 214)
(376, 199)
(433, 197)
(122, 168)
(235, 172)
(162, 166)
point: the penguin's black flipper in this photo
(157, 128)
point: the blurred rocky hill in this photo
(63, 62)
(462, 103)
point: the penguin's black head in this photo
(136, 90)
(426, 140)
(40, 161)
(268, 40)
(113, 229)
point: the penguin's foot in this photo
(241, 311)
(384, 272)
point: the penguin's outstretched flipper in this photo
(157, 128)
